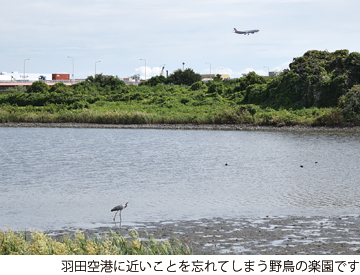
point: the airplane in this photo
(245, 32)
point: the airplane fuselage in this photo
(245, 32)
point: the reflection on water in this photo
(53, 178)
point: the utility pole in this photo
(73, 74)
(24, 67)
(145, 67)
(210, 68)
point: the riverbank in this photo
(290, 235)
(219, 127)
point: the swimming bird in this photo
(118, 208)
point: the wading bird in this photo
(119, 208)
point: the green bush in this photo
(199, 85)
(255, 94)
(183, 77)
(38, 87)
(59, 88)
(106, 80)
(349, 104)
(215, 88)
(155, 80)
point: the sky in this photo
(125, 34)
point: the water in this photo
(54, 178)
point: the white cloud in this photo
(150, 72)
(281, 67)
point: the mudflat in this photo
(223, 127)
(288, 235)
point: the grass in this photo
(38, 243)
(125, 113)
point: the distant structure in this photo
(209, 77)
(60, 76)
(134, 80)
(274, 74)
(31, 77)
(162, 70)
(13, 79)
(19, 77)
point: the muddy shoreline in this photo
(219, 127)
(290, 235)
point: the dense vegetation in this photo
(320, 88)
(37, 243)
(179, 77)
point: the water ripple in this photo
(50, 178)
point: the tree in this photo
(350, 103)
(218, 78)
(186, 77)
(58, 87)
(316, 79)
(154, 81)
(106, 80)
(251, 79)
(38, 87)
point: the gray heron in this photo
(118, 208)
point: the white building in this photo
(16, 76)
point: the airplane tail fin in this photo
(235, 29)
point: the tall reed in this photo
(38, 243)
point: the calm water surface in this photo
(59, 178)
